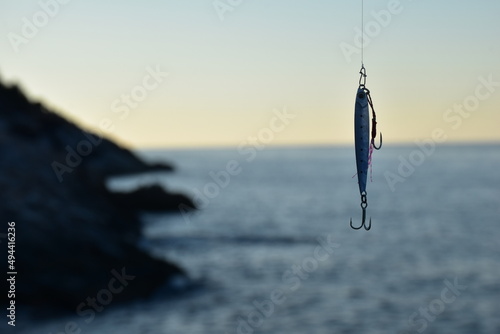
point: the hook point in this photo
(369, 225)
(380, 143)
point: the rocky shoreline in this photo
(74, 238)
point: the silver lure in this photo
(363, 141)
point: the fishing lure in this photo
(364, 145)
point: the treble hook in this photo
(380, 145)
(363, 223)
(364, 204)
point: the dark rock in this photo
(72, 236)
(151, 198)
(160, 166)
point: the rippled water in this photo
(272, 250)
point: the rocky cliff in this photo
(74, 239)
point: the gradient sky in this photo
(227, 76)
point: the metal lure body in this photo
(362, 137)
(364, 142)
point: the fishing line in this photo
(362, 32)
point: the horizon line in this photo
(450, 143)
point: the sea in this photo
(270, 250)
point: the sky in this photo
(196, 73)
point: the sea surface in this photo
(271, 250)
